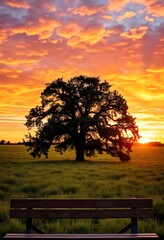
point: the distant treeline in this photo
(151, 144)
(3, 142)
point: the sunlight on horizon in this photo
(144, 140)
(146, 137)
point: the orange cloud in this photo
(149, 19)
(93, 35)
(129, 14)
(69, 30)
(19, 61)
(145, 2)
(135, 33)
(3, 35)
(159, 70)
(87, 10)
(116, 5)
(156, 9)
(44, 28)
(77, 36)
(18, 4)
(82, 11)
(107, 17)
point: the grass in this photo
(100, 177)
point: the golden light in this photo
(145, 138)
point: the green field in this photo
(100, 177)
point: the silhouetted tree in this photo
(2, 142)
(81, 114)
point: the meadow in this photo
(99, 177)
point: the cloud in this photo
(17, 4)
(92, 35)
(159, 70)
(87, 10)
(107, 17)
(149, 19)
(116, 5)
(20, 61)
(128, 14)
(156, 9)
(77, 35)
(145, 2)
(43, 28)
(3, 35)
(82, 11)
(135, 33)
(69, 30)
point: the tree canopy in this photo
(82, 114)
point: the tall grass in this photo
(99, 177)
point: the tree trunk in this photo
(79, 153)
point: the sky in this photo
(120, 41)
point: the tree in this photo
(2, 142)
(81, 114)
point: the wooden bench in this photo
(132, 208)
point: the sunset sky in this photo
(120, 41)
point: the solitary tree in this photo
(81, 114)
(2, 142)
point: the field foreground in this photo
(100, 177)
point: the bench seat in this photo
(140, 236)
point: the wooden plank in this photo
(150, 236)
(82, 203)
(81, 213)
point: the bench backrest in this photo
(82, 208)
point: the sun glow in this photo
(144, 140)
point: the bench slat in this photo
(82, 203)
(149, 236)
(81, 213)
